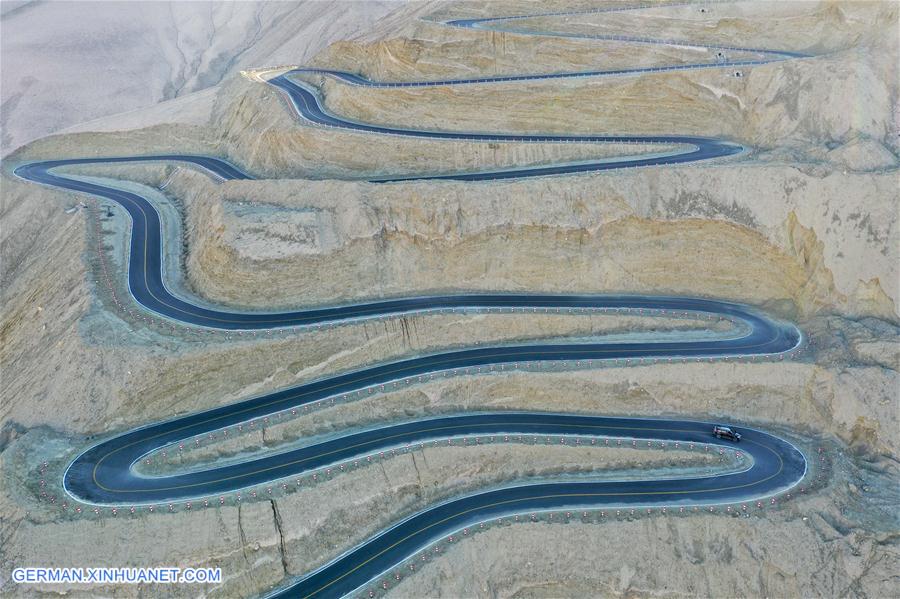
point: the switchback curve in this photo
(105, 472)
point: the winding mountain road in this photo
(107, 473)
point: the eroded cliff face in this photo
(814, 206)
(805, 227)
(835, 107)
(763, 234)
(848, 90)
(279, 148)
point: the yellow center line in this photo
(378, 441)
(554, 496)
(387, 373)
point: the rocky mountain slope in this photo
(804, 225)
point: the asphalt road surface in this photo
(106, 472)
(306, 102)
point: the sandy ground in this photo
(806, 228)
(66, 63)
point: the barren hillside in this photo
(803, 225)
(66, 63)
